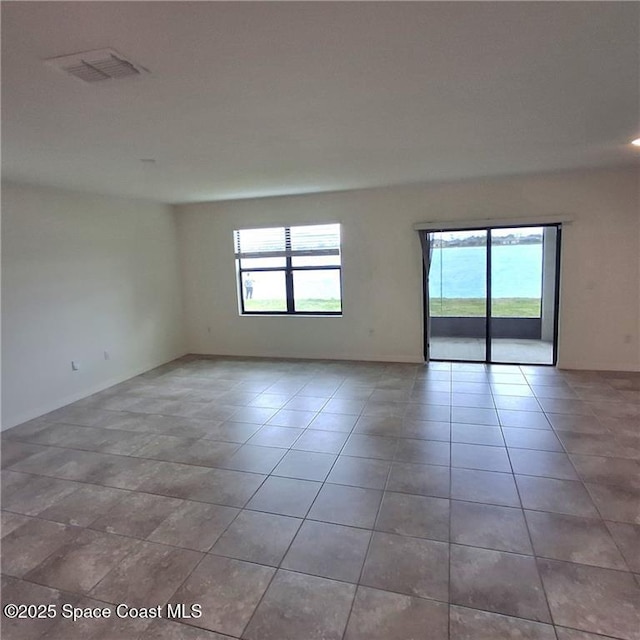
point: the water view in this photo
(458, 278)
(460, 272)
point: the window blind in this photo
(287, 241)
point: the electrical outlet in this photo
(75, 366)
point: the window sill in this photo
(290, 315)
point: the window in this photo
(289, 270)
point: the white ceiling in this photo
(251, 99)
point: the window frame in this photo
(288, 269)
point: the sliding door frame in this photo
(556, 301)
(488, 300)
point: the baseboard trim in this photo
(324, 357)
(599, 366)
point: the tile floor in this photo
(321, 500)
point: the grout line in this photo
(303, 519)
(367, 552)
(535, 560)
(293, 539)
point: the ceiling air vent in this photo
(97, 65)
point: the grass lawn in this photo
(445, 307)
(470, 307)
(309, 304)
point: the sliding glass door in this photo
(523, 294)
(458, 295)
(492, 295)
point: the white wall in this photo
(82, 274)
(382, 272)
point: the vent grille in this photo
(97, 66)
